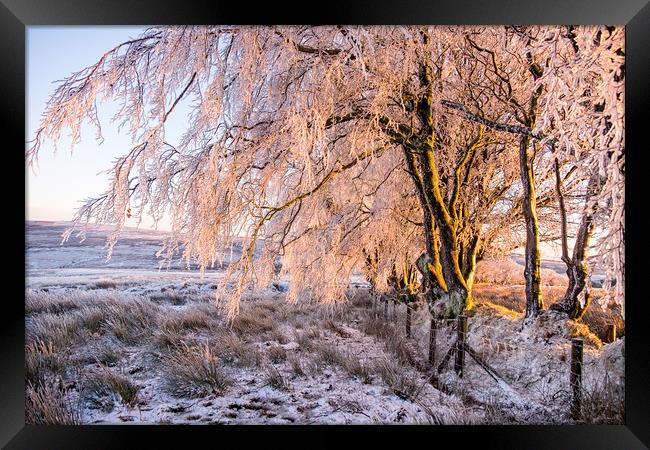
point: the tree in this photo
(319, 145)
(571, 79)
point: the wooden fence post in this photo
(610, 334)
(460, 345)
(576, 377)
(432, 341)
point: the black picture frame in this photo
(16, 15)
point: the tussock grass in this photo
(308, 337)
(105, 353)
(278, 336)
(130, 320)
(190, 319)
(296, 366)
(41, 359)
(168, 297)
(167, 338)
(393, 339)
(194, 371)
(234, 351)
(331, 325)
(60, 330)
(49, 302)
(92, 318)
(252, 322)
(277, 354)
(329, 355)
(45, 403)
(274, 378)
(403, 383)
(103, 284)
(604, 402)
(100, 386)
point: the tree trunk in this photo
(577, 297)
(447, 293)
(532, 259)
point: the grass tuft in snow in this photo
(46, 403)
(103, 387)
(274, 378)
(41, 359)
(194, 371)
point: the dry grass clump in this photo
(274, 378)
(361, 298)
(252, 322)
(234, 351)
(130, 320)
(604, 402)
(296, 366)
(194, 318)
(41, 302)
(104, 353)
(46, 403)
(306, 338)
(194, 371)
(104, 387)
(404, 383)
(41, 359)
(393, 339)
(167, 297)
(277, 354)
(60, 330)
(336, 328)
(103, 284)
(278, 335)
(329, 355)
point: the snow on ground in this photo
(301, 363)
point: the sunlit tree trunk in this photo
(577, 297)
(532, 258)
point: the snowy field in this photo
(123, 342)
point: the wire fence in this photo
(451, 343)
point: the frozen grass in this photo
(233, 350)
(171, 298)
(60, 330)
(274, 378)
(130, 321)
(194, 318)
(403, 383)
(104, 387)
(277, 354)
(41, 302)
(253, 321)
(103, 284)
(603, 402)
(42, 359)
(194, 371)
(125, 349)
(46, 403)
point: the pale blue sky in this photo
(63, 179)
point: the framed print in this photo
(407, 214)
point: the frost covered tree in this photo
(561, 90)
(321, 145)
